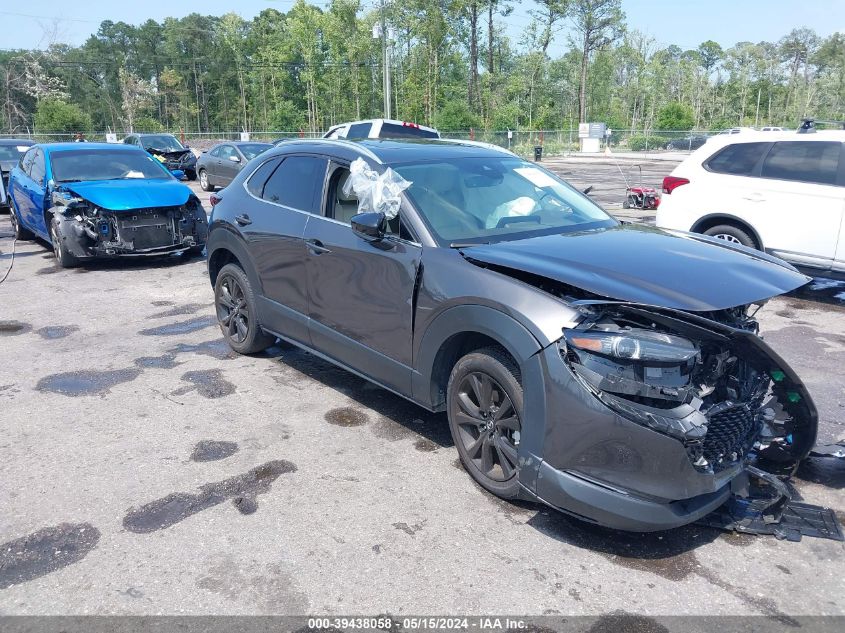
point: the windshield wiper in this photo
(466, 244)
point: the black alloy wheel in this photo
(235, 305)
(485, 407)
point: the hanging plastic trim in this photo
(375, 192)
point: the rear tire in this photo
(235, 305)
(484, 405)
(20, 232)
(204, 184)
(64, 257)
(733, 234)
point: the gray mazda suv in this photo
(610, 370)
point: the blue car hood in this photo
(124, 195)
(648, 265)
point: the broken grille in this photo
(728, 432)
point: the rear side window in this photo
(359, 130)
(738, 159)
(803, 161)
(260, 176)
(215, 152)
(392, 130)
(295, 183)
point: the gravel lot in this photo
(148, 470)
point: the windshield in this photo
(254, 149)
(12, 152)
(105, 164)
(162, 142)
(478, 200)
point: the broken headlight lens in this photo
(634, 344)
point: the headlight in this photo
(633, 344)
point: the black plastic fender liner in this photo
(76, 239)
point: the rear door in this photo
(361, 292)
(285, 192)
(802, 203)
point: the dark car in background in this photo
(610, 370)
(218, 166)
(11, 152)
(687, 143)
(101, 200)
(168, 150)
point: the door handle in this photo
(316, 247)
(754, 197)
(243, 219)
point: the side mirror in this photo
(235, 159)
(178, 174)
(371, 225)
(588, 189)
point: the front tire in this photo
(234, 302)
(485, 404)
(733, 234)
(204, 184)
(64, 257)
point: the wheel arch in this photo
(714, 219)
(224, 248)
(458, 331)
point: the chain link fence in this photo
(521, 142)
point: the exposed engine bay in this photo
(707, 380)
(91, 231)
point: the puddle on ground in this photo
(410, 530)
(622, 621)
(209, 383)
(13, 328)
(45, 551)
(346, 416)
(86, 383)
(182, 327)
(216, 348)
(188, 308)
(162, 303)
(212, 450)
(241, 489)
(165, 361)
(50, 270)
(425, 445)
(51, 332)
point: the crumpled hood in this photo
(123, 195)
(644, 264)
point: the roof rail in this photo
(808, 126)
(337, 141)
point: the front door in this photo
(286, 191)
(361, 292)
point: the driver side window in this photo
(341, 207)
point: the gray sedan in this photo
(219, 166)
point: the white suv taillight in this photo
(670, 183)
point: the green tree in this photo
(675, 116)
(596, 23)
(57, 116)
(456, 115)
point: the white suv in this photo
(780, 192)
(381, 128)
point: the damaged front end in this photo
(707, 381)
(91, 231)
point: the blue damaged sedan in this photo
(99, 201)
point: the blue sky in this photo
(669, 21)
